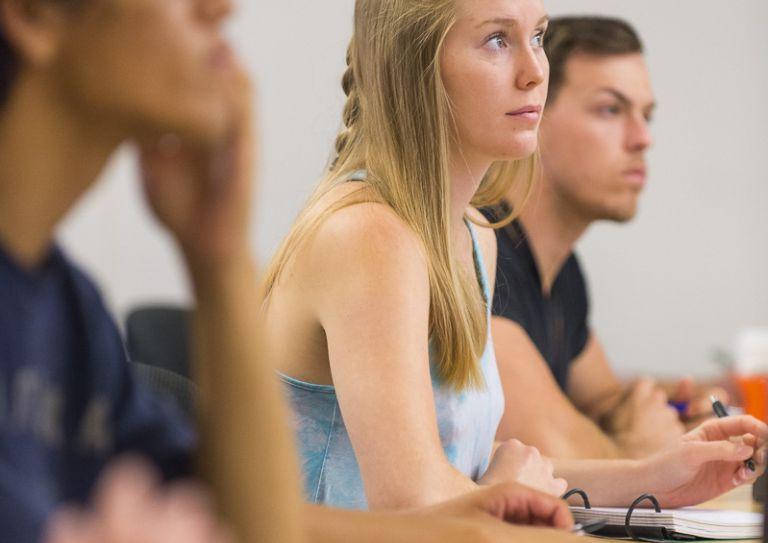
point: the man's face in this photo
(595, 135)
(148, 66)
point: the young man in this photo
(594, 137)
(77, 79)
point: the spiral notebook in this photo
(655, 524)
(677, 524)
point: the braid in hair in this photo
(351, 108)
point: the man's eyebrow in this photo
(618, 95)
(509, 21)
(624, 99)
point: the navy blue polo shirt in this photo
(558, 322)
(68, 403)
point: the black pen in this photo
(720, 411)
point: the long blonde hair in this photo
(398, 128)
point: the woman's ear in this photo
(34, 28)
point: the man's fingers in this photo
(70, 525)
(701, 405)
(129, 472)
(188, 514)
(718, 392)
(684, 391)
(642, 390)
(126, 491)
(699, 409)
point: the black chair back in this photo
(159, 336)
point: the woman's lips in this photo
(529, 113)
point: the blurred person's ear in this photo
(34, 29)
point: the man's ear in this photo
(34, 28)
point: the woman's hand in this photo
(130, 507)
(708, 461)
(515, 462)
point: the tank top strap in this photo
(357, 175)
(477, 255)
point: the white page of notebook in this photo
(707, 523)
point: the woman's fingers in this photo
(744, 475)
(701, 452)
(727, 427)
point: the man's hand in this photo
(643, 422)
(699, 406)
(130, 507)
(202, 192)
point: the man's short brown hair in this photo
(590, 35)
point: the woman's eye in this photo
(538, 40)
(497, 41)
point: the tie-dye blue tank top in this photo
(467, 423)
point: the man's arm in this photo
(537, 412)
(592, 385)
(596, 391)
(202, 195)
(637, 417)
(246, 451)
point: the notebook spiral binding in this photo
(581, 493)
(628, 521)
(628, 528)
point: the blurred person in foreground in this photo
(77, 80)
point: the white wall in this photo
(684, 277)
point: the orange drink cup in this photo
(754, 393)
(752, 371)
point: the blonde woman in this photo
(377, 302)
